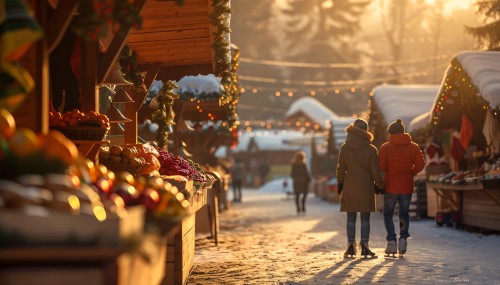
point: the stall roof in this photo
(404, 101)
(174, 36)
(313, 109)
(320, 114)
(268, 140)
(483, 69)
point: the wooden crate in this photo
(180, 253)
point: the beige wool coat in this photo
(358, 170)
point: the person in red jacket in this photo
(400, 160)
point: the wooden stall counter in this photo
(478, 203)
(180, 248)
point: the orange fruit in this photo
(58, 146)
(24, 142)
(7, 124)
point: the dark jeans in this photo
(301, 202)
(390, 201)
(351, 227)
(237, 190)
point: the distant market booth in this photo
(405, 101)
(463, 132)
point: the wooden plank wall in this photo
(180, 253)
(479, 210)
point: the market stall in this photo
(85, 74)
(405, 101)
(462, 132)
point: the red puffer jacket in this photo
(400, 160)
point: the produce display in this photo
(77, 118)
(171, 164)
(22, 151)
(43, 177)
(122, 190)
(140, 159)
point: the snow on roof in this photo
(419, 121)
(483, 68)
(313, 109)
(405, 101)
(267, 140)
(200, 84)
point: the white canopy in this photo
(200, 84)
(419, 121)
(268, 140)
(312, 108)
(321, 114)
(405, 101)
(483, 68)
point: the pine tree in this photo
(323, 31)
(489, 33)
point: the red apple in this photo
(150, 199)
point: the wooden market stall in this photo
(175, 41)
(404, 101)
(463, 130)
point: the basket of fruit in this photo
(77, 125)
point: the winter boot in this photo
(402, 246)
(365, 251)
(351, 250)
(391, 248)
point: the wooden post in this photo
(34, 113)
(131, 109)
(89, 92)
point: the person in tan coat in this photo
(357, 172)
(400, 160)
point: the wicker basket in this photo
(82, 133)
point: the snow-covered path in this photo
(264, 241)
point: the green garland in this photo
(95, 17)
(164, 116)
(128, 63)
(220, 19)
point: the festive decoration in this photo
(18, 32)
(164, 115)
(457, 89)
(95, 17)
(129, 67)
(220, 19)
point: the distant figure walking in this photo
(357, 171)
(301, 178)
(400, 160)
(237, 175)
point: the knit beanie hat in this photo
(396, 127)
(360, 124)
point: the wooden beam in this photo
(34, 112)
(200, 32)
(88, 83)
(131, 109)
(213, 31)
(176, 72)
(113, 52)
(59, 22)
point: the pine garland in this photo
(220, 19)
(129, 67)
(164, 116)
(95, 17)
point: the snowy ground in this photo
(264, 241)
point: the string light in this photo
(342, 65)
